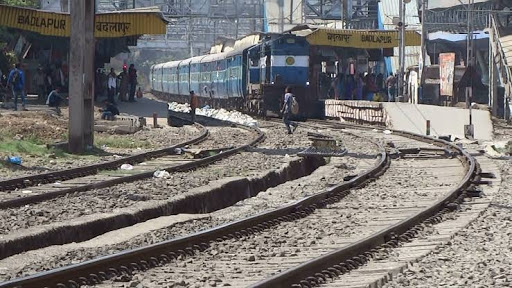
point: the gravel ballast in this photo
(403, 186)
(480, 255)
(268, 155)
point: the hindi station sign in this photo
(107, 25)
(366, 39)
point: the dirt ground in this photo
(26, 134)
(42, 126)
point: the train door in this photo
(241, 76)
(265, 62)
(234, 77)
(229, 80)
(180, 78)
(160, 74)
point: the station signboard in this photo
(446, 73)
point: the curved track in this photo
(81, 216)
(236, 247)
(404, 219)
(56, 184)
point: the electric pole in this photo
(424, 35)
(81, 76)
(470, 66)
(281, 16)
(401, 49)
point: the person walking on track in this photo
(287, 110)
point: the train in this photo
(251, 78)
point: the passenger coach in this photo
(251, 78)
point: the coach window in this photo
(255, 62)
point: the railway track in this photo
(48, 186)
(20, 234)
(400, 223)
(13, 184)
(309, 210)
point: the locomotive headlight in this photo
(307, 83)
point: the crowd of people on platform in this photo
(46, 80)
(360, 86)
(49, 84)
(122, 85)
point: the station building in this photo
(43, 37)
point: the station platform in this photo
(412, 117)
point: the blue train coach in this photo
(252, 77)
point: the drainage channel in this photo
(95, 271)
(321, 270)
(172, 161)
(89, 227)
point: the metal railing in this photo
(504, 69)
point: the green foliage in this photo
(22, 147)
(21, 3)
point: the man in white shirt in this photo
(54, 99)
(112, 84)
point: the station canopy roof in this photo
(364, 39)
(107, 25)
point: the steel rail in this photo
(318, 270)
(50, 177)
(17, 202)
(97, 270)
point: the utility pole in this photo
(424, 34)
(281, 16)
(81, 76)
(401, 48)
(236, 20)
(342, 14)
(470, 65)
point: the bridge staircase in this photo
(501, 45)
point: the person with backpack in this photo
(16, 82)
(290, 106)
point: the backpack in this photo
(15, 80)
(295, 106)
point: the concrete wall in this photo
(361, 112)
(443, 120)
(412, 117)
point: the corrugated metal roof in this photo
(108, 25)
(389, 9)
(435, 4)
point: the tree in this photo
(6, 34)
(22, 3)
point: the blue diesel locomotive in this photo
(251, 78)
